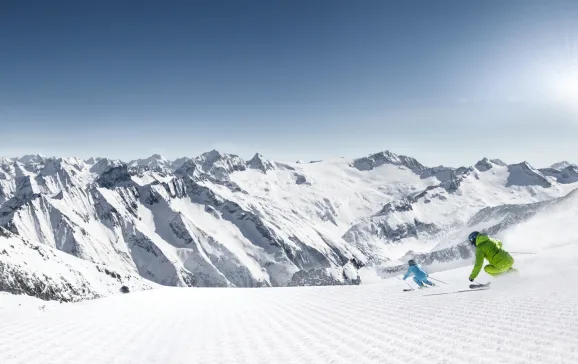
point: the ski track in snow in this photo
(531, 321)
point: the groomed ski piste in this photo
(530, 317)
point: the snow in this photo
(334, 185)
(10, 302)
(168, 236)
(30, 267)
(531, 318)
(221, 221)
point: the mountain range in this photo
(72, 228)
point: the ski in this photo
(424, 287)
(475, 286)
(462, 291)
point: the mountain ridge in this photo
(219, 220)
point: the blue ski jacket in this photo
(417, 271)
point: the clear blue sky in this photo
(447, 82)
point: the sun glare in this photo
(562, 79)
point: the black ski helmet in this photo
(411, 262)
(472, 237)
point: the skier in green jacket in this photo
(491, 249)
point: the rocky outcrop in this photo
(484, 165)
(115, 176)
(561, 165)
(301, 179)
(259, 162)
(153, 162)
(387, 157)
(523, 174)
(443, 174)
(220, 165)
(566, 175)
(321, 277)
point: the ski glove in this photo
(471, 279)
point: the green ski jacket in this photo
(491, 249)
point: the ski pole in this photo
(435, 279)
(521, 253)
(406, 282)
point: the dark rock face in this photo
(443, 174)
(565, 175)
(187, 168)
(301, 180)
(319, 277)
(114, 176)
(39, 285)
(523, 174)
(260, 163)
(484, 165)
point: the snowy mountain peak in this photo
(92, 160)
(561, 165)
(188, 167)
(484, 165)
(104, 164)
(261, 163)
(77, 163)
(154, 161)
(211, 156)
(498, 162)
(375, 160)
(220, 165)
(31, 158)
(177, 163)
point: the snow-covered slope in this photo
(529, 318)
(218, 220)
(40, 271)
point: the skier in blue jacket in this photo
(419, 275)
